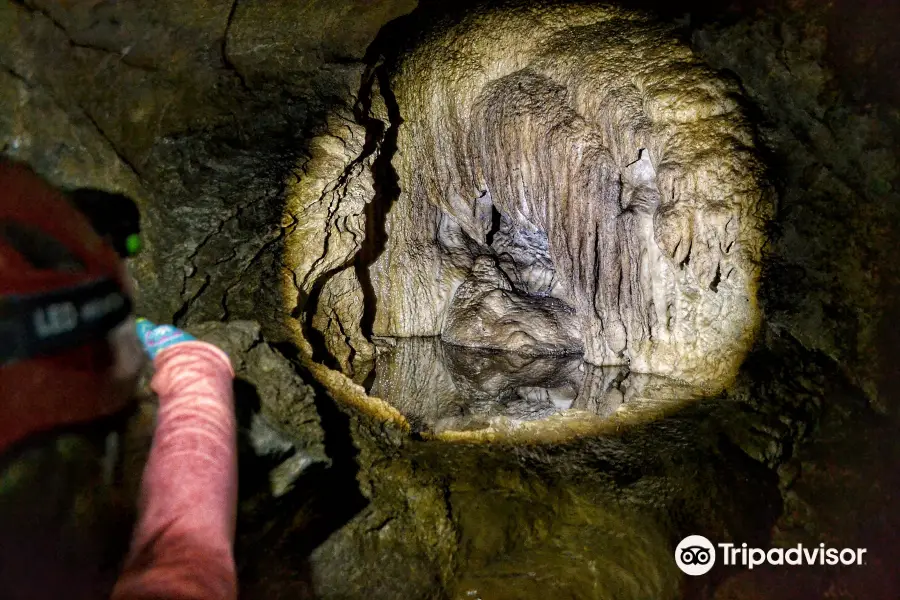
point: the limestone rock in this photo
(441, 387)
(163, 59)
(268, 42)
(327, 198)
(833, 278)
(486, 312)
(339, 313)
(624, 151)
(36, 129)
(524, 255)
(280, 418)
(214, 105)
(326, 201)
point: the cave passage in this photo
(555, 188)
(509, 303)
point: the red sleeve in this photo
(182, 545)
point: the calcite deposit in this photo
(585, 151)
(488, 312)
(334, 170)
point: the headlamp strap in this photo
(43, 324)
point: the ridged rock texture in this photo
(487, 312)
(213, 115)
(596, 160)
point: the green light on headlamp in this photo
(133, 244)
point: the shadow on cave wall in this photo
(275, 535)
(215, 196)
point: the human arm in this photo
(182, 544)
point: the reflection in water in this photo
(441, 387)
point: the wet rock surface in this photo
(276, 407)
(596, 130)
(486, 312)
(441, 387)
(238, 126)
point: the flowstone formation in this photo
(488, 312)
(216, 127)
(546, 181)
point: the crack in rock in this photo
(628, 153)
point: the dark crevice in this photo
(335, 494)
(306, 312)
(687, 257)
(224, 47)
(376, 141)
(714, 284)
(374, 136)
(387, 190)
(383, 140)
(346, 337)
(179, 317)
(677, 246)
(112, 145)
(495, 225)
(226, 313)
(369, 380)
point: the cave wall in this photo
(247, 119)
(213, 109)
(830, 279)
(586, 150)
(597, 128)
(820, 78)
(827, 277)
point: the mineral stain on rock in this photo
(509, 304)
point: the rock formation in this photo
(442, 387)
(213, 115)
(487, 312)
(611, 175)
(277, 411)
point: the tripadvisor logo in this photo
(696, 555)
